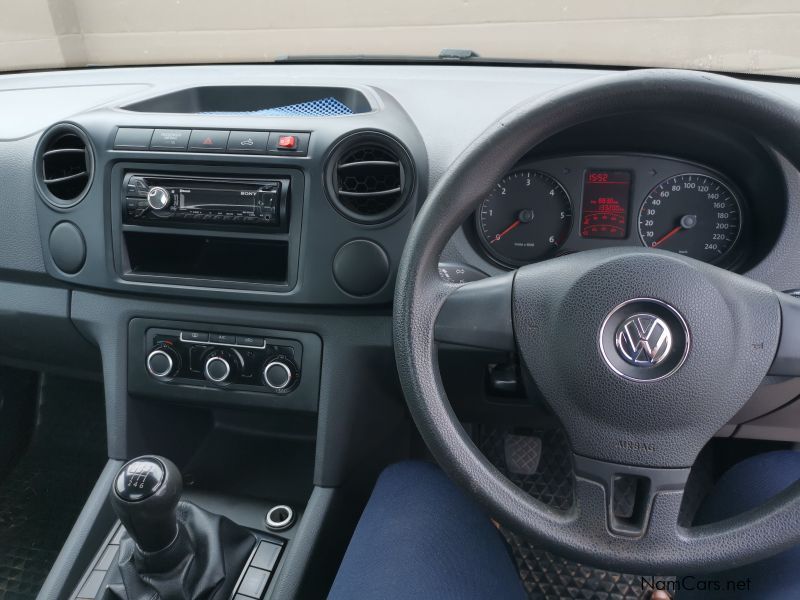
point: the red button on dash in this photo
(287, 142)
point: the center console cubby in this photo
(187, 255)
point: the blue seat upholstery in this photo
(421, 537)
(747, 485)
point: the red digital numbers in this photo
(597, 177)
(606, 196)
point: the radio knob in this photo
(279, 374)
(163, 362)
(217, 369)
(158, 198)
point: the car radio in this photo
(160, 199)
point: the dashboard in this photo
(342, 187)
(273, 202)
(545, 208)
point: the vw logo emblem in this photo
(643, 340)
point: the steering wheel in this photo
(701, 341)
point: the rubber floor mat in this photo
(44, 492)
(546, 575)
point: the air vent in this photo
(64, 165)
(369, 177)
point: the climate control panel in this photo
(224, 360)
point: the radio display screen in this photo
(606, 204)
(217, 198)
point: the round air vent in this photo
(369, 177)
(64, 165)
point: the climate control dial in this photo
(221, 366)
(163, 362)
(279, 373)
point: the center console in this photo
(232, 252)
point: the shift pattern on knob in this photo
(139, 479)
(144, 495)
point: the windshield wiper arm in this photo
(448, 55)
(457, 54)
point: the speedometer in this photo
(691, 214)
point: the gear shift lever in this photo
(174, 549)
(145, 494)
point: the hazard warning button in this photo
(208, 140)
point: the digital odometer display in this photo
(606, 204)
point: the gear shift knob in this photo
(144, 495)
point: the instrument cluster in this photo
(547, 207)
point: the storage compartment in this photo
(206, 257)
(266, 455)
(275, 101)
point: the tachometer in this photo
(525, 218)
(691, 214)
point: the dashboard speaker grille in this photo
(64, 165)
(369, 177)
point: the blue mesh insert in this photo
(325, 107)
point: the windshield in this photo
(730, 35)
